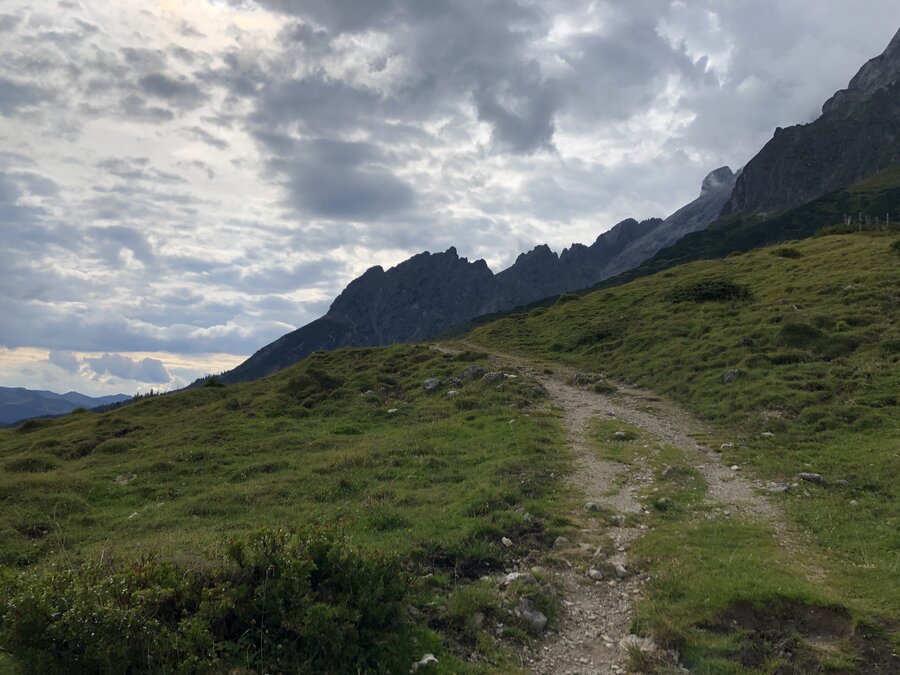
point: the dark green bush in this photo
(895, 246)
(708, 290)
(787, 252)
(283, 603)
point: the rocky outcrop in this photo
(714, 193)
(855, 137)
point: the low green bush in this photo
(282, 603)
(708, 290)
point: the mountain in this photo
(431, 292)
(857, 135)
(17, 404)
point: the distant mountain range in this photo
(855, 137)
(17, 404)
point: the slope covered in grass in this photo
(792, 354)
(347, 440)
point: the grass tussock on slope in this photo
(793, 354)
(348, 440)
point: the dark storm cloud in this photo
(176, 91)
(14, 96)
(338, 179)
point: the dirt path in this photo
(599, 612)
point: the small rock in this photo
(767, 434)
(524, 577)
(534, 619)
(595, 574)
(452, 393)
(735, 467)
(427, 660)
(599, 553)
(726, 446)
(391, 411)
(560, 542)
(853, 502)
(413, 611)
(663, 503)
(841, 482)
(125, 478)
(811, 478)
(432, 384)
(621, 570)
(593, 506)
(618, 520)
(730, 376)
(506, 541)
(493, 377)
(621, 436)
(473, 373)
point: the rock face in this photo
(855, 137)
(432, 292)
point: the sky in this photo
(183, 181)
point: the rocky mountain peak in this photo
(877, 73)
(721, 177)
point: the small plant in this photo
(708, 290)
(895, 246)
(787, 252)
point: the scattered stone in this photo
(473, 373)
(618, 520)
(493, 377)
(595, 574)
(730, 376)
(853, 502)
(594, 506)
(726, 446)
(621, 436)
(841, 482)
(368, 392)
(533, 618)
(452, 393)
(735, 467)
(524, 577)
(599, 553)
(767, 434)
(413, 611)
(391, 411)
(125, 478)
(663, 504)
(621, 570)
(427, 660)
(432, 384)
(506, 541)
(811, 478)
(454, 381)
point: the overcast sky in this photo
(183, 181)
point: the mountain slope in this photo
(18, 404)
(857, 135)
(431, 292)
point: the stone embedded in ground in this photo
(621, 435)
(125, 478)
(506, 541)
(560, 542)
(594, 506)
(618, 520)
(391, 411)
(452, 393)
(534, 619)
(493, 377)
(473, 373)
(432, 384)
(427, 660)
(644, 645)
(811, 477)
(767, 434)
(621, 570)
(523, 577)
(595, 574)
(730, 376)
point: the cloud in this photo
(175, 91)
(14, 96)
(65, 359)
(146, 370)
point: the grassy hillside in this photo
(792, 354)
(347, 440)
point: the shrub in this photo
(283, 603)
(708, 290)
(32, 464)
(787, 252)
(895, 246)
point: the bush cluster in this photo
(281, 603)
(709, 290)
